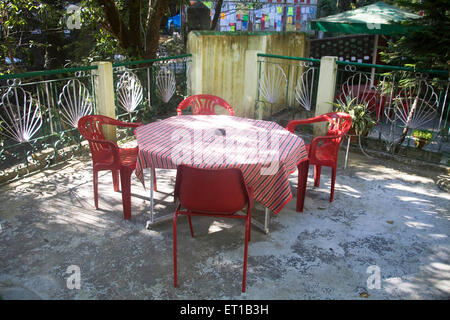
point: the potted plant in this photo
(421, 137)
(362, 121)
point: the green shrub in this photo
(422, 134)
(362, 121)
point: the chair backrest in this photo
(204, 104)
(90, 128)
(340, 123)
(219, 191)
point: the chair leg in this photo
(190, 225)
(301, 185)
(125, 179)
(333, 181)
(247, 236)
(115, 176)
(175, 250)
(154, 180)
(317, 171)
(95, 188)
(249, 233)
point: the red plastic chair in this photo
(214, 193)
(106, 155)
(203, 104)
(323, 151)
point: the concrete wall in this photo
(225, 64)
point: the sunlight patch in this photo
(218, 226)
(396, 284)
(440, 266)
(419, 225)
(438, 236)
(414, 190)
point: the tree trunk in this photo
(396, 145)
(134, 25)
(115, 25)
(152, 40)
(129, 34)
(217, 11)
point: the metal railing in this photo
(402, 100)
(151, 87)
(286, 84)
(39, 112)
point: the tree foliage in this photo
(17, 18)
(428, 47)
(36, 32)
(134, 25)
(329, 7)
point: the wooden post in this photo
(250, 81)
(325, 91)
(104, 94)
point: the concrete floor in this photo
(388, 222)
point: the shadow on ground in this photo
(388, 221)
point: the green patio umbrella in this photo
(378, 18)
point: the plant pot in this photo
(420, 142)
(354, 137)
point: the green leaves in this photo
(422, 134)
(17, 19)
(362, 121)
(426, 48)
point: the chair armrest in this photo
(128, 124)
(293, 123)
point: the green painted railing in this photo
(40, 121)
(274, 56)
(137, 62)
(387, 87)
(46, 72)
(391, 95)
(295, 77)
(149, 75)
(42, 107)
(395, 68)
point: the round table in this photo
(265, 152)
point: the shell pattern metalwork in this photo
(273, 83)
(129, 91)
(75, 102)
(304, 89)
(416, 104)
(165, 82)
(357, 86)
(21, 118)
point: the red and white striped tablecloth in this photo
(265, 152)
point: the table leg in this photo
(266, 221)
(301, 186)
(153, 220)
(152, 213)
(263, 227)
(346, 152)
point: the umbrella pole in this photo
(374, 58)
